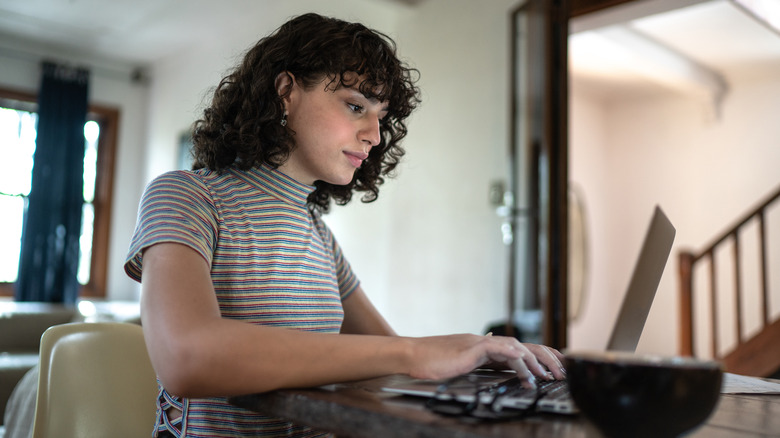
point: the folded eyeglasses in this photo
(466, 396)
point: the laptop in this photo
(625, 335)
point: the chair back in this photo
(96, 380)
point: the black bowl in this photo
(629, 395)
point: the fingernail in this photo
(531, 383)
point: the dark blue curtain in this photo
(49, 257)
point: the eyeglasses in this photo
(466, 396)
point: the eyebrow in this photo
(372, 100)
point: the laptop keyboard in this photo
(554, 389)
(555, 395)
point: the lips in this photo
(356, 158)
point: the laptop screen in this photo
(643, 284)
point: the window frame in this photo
(108, 118)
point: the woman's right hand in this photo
(442, 357)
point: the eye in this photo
(355, 107)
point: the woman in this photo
(244, 288)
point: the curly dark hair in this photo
(242, 127)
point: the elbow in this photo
(179, 370)
(178, 384)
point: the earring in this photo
(284, 120)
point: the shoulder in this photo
(179, 179)
(322, 228)
(182, 183)
(179, 192)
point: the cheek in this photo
(324, 132)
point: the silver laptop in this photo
(555, 397)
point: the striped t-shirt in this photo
(272, 262)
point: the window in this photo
(17, 140)
(17, 145)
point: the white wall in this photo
(443, 263)
(630, 155)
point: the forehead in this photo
(358, 83)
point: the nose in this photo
(370, 133)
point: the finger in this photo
(560, 356)
(511, 353)
(523, 362)
(520, 358)
(531, 356)
(526, 377)
(547, 356)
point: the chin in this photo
(337, 181)
(342, 179)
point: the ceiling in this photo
(712, 34)
(696, 45)
(133, 32)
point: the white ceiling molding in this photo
(766, 12)
(656, 62)
(626, 12)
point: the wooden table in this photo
(361, 409)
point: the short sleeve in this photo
(176, 207)
(346, 278)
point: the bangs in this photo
(366, 61)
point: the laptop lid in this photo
(643, 284)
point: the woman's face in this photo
(333, 129)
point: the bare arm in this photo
(362, 318)
(197, 353)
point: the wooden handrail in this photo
(759, 209)
(687, 261)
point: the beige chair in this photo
(95, 380)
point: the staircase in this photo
(754, 355)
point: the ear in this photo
(284, 84)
